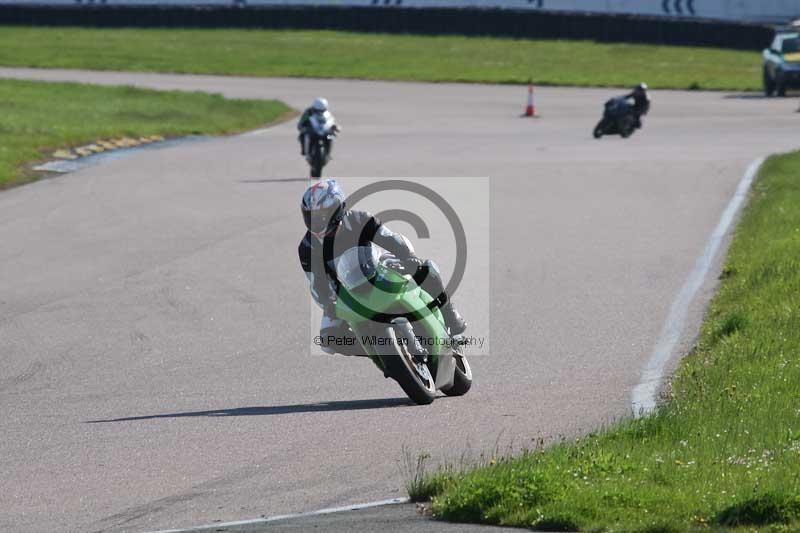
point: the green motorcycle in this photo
(392, 318)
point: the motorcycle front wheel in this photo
(414, 378)
(599, 129)
(317, 159)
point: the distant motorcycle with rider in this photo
(317, 127)
(622, 115)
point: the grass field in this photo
(724, 452)
(380, 56)
(38, 117)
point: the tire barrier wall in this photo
(776, 11)
(439, 21)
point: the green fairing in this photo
(392, 293)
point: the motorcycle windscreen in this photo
(357, 266)
(322, 124)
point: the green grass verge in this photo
(38, 117)
(380, 56)
(723, 452)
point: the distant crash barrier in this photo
(768, 11)
(517, 23)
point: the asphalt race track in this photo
(154, 319)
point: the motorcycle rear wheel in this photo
(626, 126)
(462, 378)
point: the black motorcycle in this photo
(323, 129)
(619, 117)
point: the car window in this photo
(790, 46)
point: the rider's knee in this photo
(432, 267)
(431, 280)
(432, 272)
(327, 347)
(328, 339)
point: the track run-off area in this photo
(154, 319)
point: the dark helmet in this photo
(323, 206)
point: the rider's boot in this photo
(453, 319)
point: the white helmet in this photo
(643, 86)
(320, 104)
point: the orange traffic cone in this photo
(530, 109)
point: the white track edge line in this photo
(643, 397)
(268, 519)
